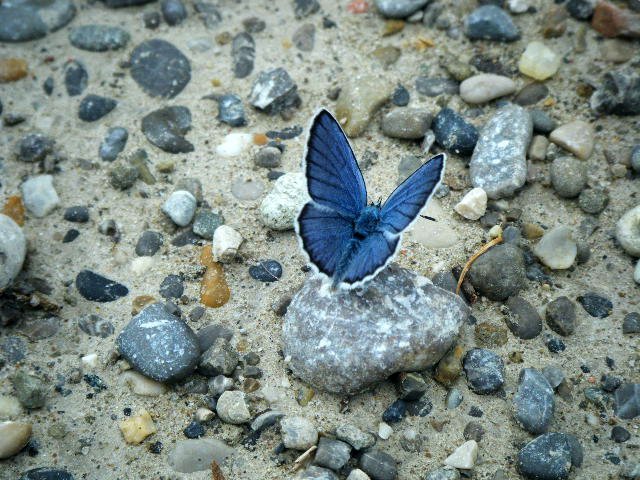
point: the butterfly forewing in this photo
(404, 204)
(334, 179)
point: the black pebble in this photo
(400, 96)
(148, 243)
(194, 430)
(596, 305)
(610, 383)
(555, 345)
(156, 448)
(127, 411)
(620, 434)
(77, 214)
(172, 287)
(266, 271)
(97, 288)
(75, 78)
(152, 21)
(94, 381)
(631, 323)
(47, 85)
(395, 412)
(70, 236)
(94, 107)
(475, 412)
(173, 11)
(46, 473)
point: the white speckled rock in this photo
(13, 248)
(226, 243)
(180, 207)
(347, 341)
(464, 456)
(473, 204)
(576, 137)
(486, 87)
(39, 195)
(498, 164)
(13, 437)
(281, 206)
(628, 231)
(557, 249)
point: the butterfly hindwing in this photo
(334, 179)
(324, 234)
(372, 255)
(404, 204)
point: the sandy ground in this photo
(93, 446)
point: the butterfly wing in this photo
(324, 235)
(373, 254)
(404, 204)
(334, 179)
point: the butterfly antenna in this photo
(427, 217)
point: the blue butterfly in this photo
(344, 238)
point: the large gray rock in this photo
(13, 248)
(159, 345)
(499, 164)
(346, 341)
(399, 8)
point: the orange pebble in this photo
(358, 6)
(12, 69)
(260, 139)
(138, 303)
(14, 208)
(206, 256)
(214, 291)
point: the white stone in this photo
(557, 249)
(13, 437)
(39, 195)
(356, 473)
(280, 207)
(432, 234)
(538, 61)
(518, 6)
(89, 361)
(473, 204)
(194, 455)
(486, 87)
(204, 415)
(464, 457)
(636, 273)
(384, 430)
(495, 231)
(13, 249)
(180, 207)
(140, 265)
(298, 433)
(225, 244)
(141, 385)
(234, 144)
(576, 137)
(628, 231)
(9, 407)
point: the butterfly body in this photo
(345, 239)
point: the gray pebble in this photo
(232, 407)
(314, 472)
(399, 8)
(166, 127)
(113, 143)
(78, 214)
(499, 273)
(243, 52)
(443, 473)
(98, 38)
(627, 401)
(542, 122)
(298, 433)
(378, 465)
(96, 326)
(561, 316)
(13, 250)
(31, 391)
(123, 176)
(29, 20)
(304, 37)
(231, 110)
(171, 287)
(593, 200)
(619, 93)
(332, 454)
(274, 91)
(159, 68)
(219, 359)
(94, 107)
(454, 133)
(180, 207)
(268, 157)
(432, 87)
(206, 222)
(34, 147)
(149, 243)
(173, 11)
(531, 93)
(484, 370)
(635, 158)
(220, 384)
(568, 176)
(406, 123)
(304, 8)
(533, 402)
(490, 22)
(209, 334)
(554, 375)
(453, 399)
(265, 420)
(523, 319)
(159, 345)
(355, 437)
(549, 457)
(631, 323)
(75, 78)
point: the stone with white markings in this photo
(498, 164)
(180, 207)
(464, 456)
(347, 341)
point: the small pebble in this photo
(266, 271)
(395, 412)
(432, 87)
(531, 94)
(568, 176)
(138, 427)
(226, 243)
(549, 456)
(576, 137)
(274, 91)
(173, 11)
(485, 87)
(596, 305)
(593, 200)
(618, 434)
(628, 231)
(77, 214)
(166, 127)
(159, 68)
(378, 465)
(298, 433)
(206, 222)
(281, 206)
(473, 205)
(180, 207)
(401, 98)
(96, 288)
(499, 273)
(76, 78)
(406, 123)
(533, 402)
(39, 195)
(523, 319)
(149, 243)
(557, 249)
(98, 38)
(631, 323)
(332, 454)
(454, 133)
(354, 436)
(113, 143)
(542, 122)
(538, 61)
(34, 147)
(627, 401)
(490, 22)
(463, 457)
(13, 438)
(94, 107)
(484, 371)
(171, 287)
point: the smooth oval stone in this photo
(557, 249)
(432, 87)
(173, 11)
(159, 345)
(159, 68)
(46, 473)
(304, 37)
(454, 133)
(499, 273)
(75, 78)
(490, 22)
(406, 123)
(266, 271)
(576, 137)
(486, 87)
(523, 320)
(549, 457)
(533, 402)
(568, 176)
(166, 127)
(354, 353)
(196, 455)
(113, 143)
(628, 231)
(98, 38)
(530, 94)
(399, 8)
(94, 107)
(97, 288)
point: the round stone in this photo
(180, 207)
(159, 68)
(568, 176)
(266, 271)
(499, 273)
(628, 231)
(593, 200)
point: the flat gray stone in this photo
(98, 38)
(533, 402)
(347, 341)
(159, 68)
(499, 163)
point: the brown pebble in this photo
(450, 366)
(612, 21)
(531, 231)
(12, 69)
(391, 27)
(250, 385)
(555, 22)
(14, 208)
(214, 291)
(260, 139)
(140, 302)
